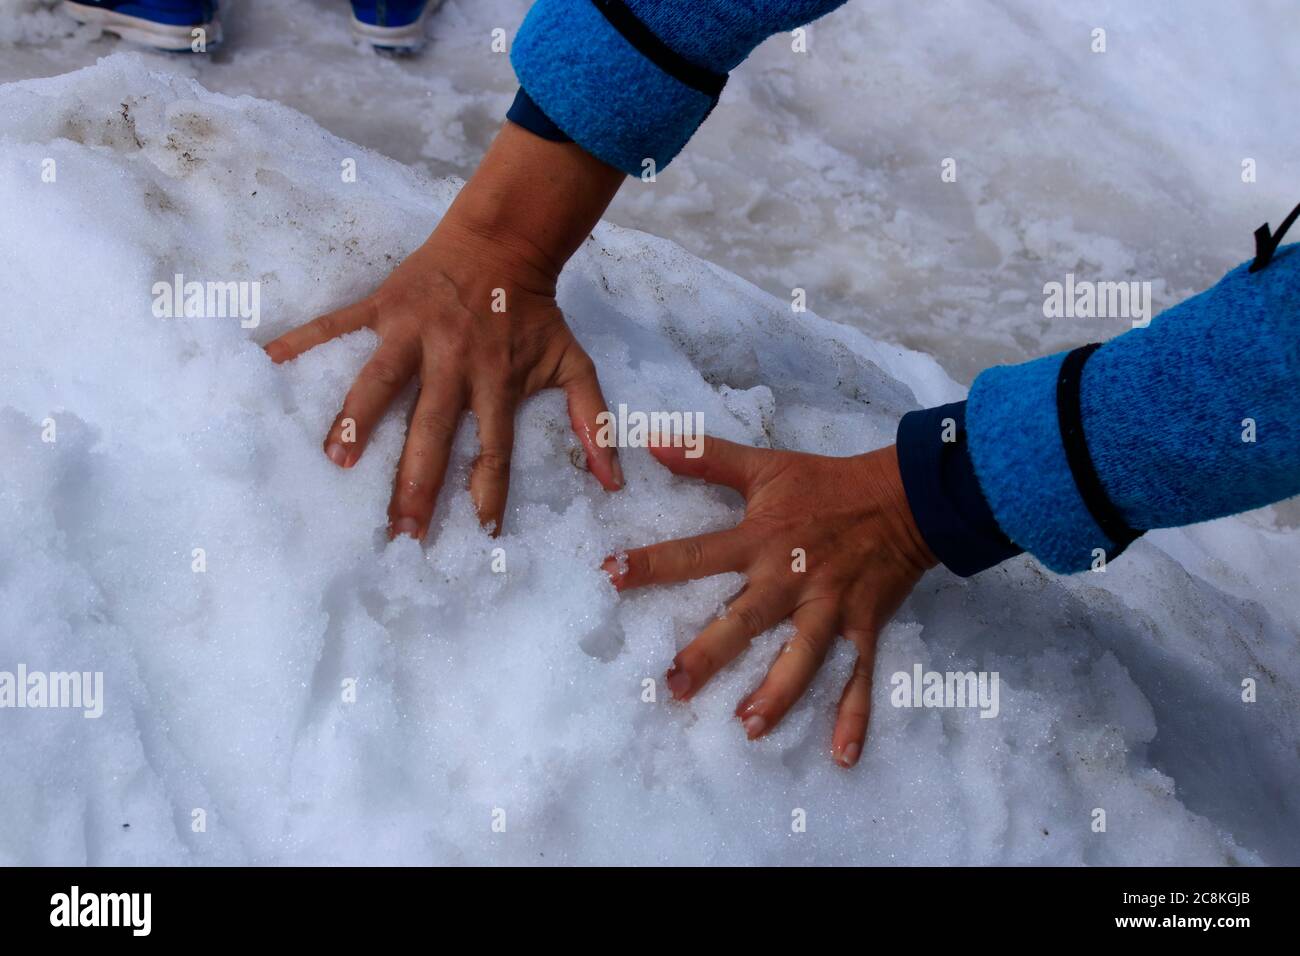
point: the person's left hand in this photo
(863, 554)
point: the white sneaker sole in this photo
(409, 37)
(161, 36)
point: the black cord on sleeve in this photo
(659, 53)
(1070, 416)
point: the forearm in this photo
(534, 200)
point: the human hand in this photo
(863, 552)
(472, 314)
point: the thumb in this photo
(715, 460)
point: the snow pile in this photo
(517, 697)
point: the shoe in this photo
(391, 24)
(161, 24)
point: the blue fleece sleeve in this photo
(631, 80)
(1194, 417)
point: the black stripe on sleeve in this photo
(659, 53)
(1070, 416)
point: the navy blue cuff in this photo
(945, 497)
(524, 112)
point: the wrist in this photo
(888, 485)
(531, 203)
(483, 251)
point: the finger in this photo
(577, 376)
(681, 560)
(793, 671)
(756, 610)
(378, 383)
(716, 460)
(320, 329)
(423, 467)
(489, 478)
(855, 705)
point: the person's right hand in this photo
(501, 244)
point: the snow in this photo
(479, 692)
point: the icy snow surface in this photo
(521, 691)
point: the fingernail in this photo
(406, 526)
(754, 725)
(849, 756)
(679, 682)
(337, 454)
(617, 469)
(612, 570)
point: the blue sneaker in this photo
(391, 24)
(162, 24)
